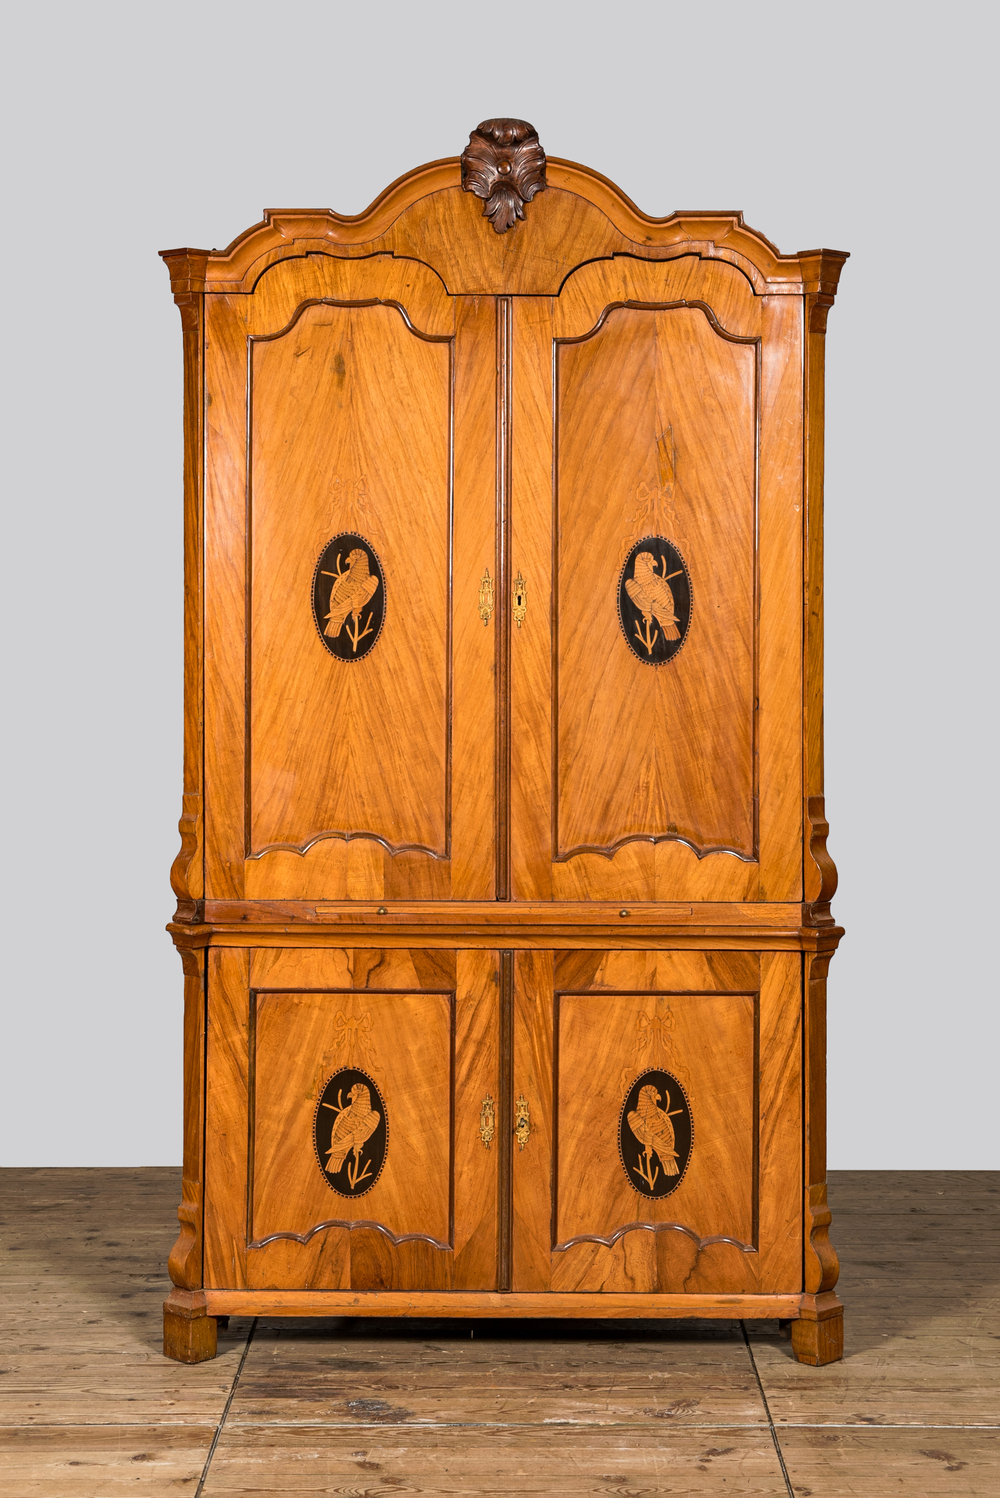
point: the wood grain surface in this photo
(402, 1041)
(495, 769)
(586, 1027)
(423, 1027)
(343, 398)
(590, 216)
(89, 1407)
(365, 450)
(521, 1463)
(678, 761)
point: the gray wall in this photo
(136, 127)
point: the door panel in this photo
(647, 752)
(342, 747)
(299, 1042)
(618, 1039)
(642, 767)
(350, 1155)
(332, 464)
(654, 1163)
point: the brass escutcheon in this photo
(487, 1121)
(486, 597)
(520, 605)
(522, 1121)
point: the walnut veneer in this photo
(503, 892)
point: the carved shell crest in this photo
(505, 166)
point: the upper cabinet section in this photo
(502, 500)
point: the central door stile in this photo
(505, 1160)
(478, 699)
(532, 550)
(533, 1027)
(504, 355)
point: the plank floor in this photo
(89, 1408)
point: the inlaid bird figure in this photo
(652, 1127)
(352, 589)
(355, 1123)
(653, 597)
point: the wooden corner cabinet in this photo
(503, 895)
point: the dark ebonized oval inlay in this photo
(654, 600)
(655, 1133)
(351, 1132)
(348, 596)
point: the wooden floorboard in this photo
(267, 1461)
(90, 1409)
(922, 1291)
(879, 1463)
(515, 1373)
(102, 1461)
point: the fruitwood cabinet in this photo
(503, 893)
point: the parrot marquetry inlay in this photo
(350, 1132)
(655, 1134)
(654, 600)
(348, 596)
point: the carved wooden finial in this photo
(505, 165)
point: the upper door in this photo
(657, 524)
(349, 753)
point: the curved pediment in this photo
(436, 214)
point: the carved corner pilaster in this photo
(822, 1266)
(189, 304)
(187, 279)
(187, 270)
(821, 878)
(820, 277)
(185, 871)
(819, 311)
(503, 164)
(820, 1263)
(192, 961)
(185, 1262)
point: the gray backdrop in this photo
(136, 127)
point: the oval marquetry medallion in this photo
(655, 1134)
(654, 600)
(348, 596)
(351, 1132)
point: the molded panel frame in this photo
(629, 1261)
(344, 1253)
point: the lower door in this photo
(658, 1107)
(351, 1119)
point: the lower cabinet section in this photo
(613, 1122)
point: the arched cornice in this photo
(393, 223)
(293, 231)
(694, 230)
